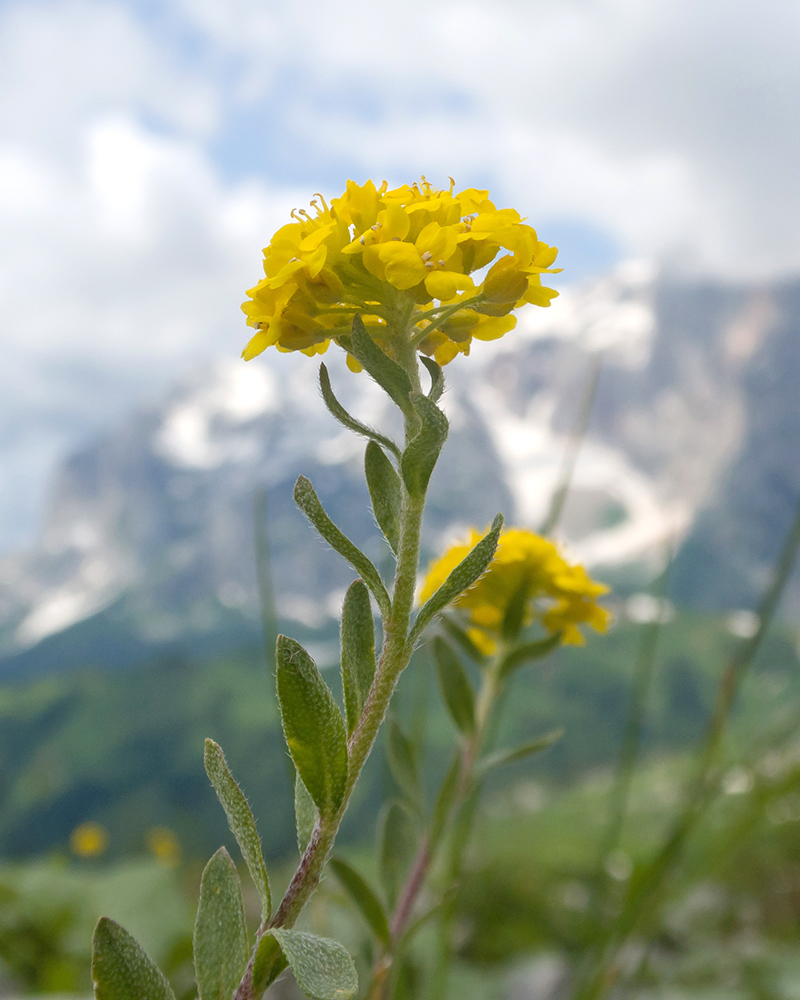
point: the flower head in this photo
(526, 566)
(406, 260)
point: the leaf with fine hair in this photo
(240, 820)
(396, 843)
(313, 726)
(517, 753)
(349, 421)
(469, 570)
(121, 970)
(456, 688)
(390, 376)
(305, 813)
(220, 932)
(322, 967)
(370, 907)
(437, 378)
(385, 491)
(358, 652)
(528, 652)
(268, 964)
(308, 501)
(422, 452)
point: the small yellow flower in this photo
(558, 595)
(404, 259)
(88, 840)
(164, 844)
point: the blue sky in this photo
(148, 149)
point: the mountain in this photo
(149, 538)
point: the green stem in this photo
(445, 314)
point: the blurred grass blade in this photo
(403, 764)
(528, 652)
(240, 820)
(220, 933)
(364, 898)
(397, 842)
(501, 757)
(456, 688)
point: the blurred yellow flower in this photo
(404, 259)
(528, 567)
(88, 840)
(164, 844)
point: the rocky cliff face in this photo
(694, 437)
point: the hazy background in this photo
(147, 151)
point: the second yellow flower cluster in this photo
(559, 595)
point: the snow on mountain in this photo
(156, 519)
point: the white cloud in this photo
(125, 244)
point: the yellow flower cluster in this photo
(559, 595)
(404, 259)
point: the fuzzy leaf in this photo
(220, 933)
(358, 652)
(470, 569)
(308, 501)
(456, 688)
(397, 841)
(519, 753)
(422, 452)
(437, 378)
(387, 373)
(240, 820)
(385, 492)
(403, 763)
(529, 652)
(121, 970)
(305, 813)
(313, 726)
(349, 421)
(322, 967)
(269, 963)
(368, 904)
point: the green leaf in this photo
(323, 969)
(368, 904)
(519, 753)
(313, 726)
(308, 501)
(450, 624)
(403, 763)
(422, 452)
(456, 688)
(397, 842)
(120, 968)
(437, 378)
(220, 933)
(305, 813)
(268, 964)
(445, 800)
(529, 652)
(514, 617)
(385, 492)
(358, 652)
(347, 419)
(387, 373)
(471, 568)
(240, 820)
